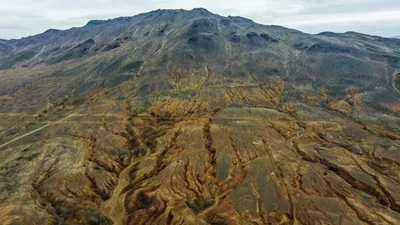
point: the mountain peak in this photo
(157, 12)
(52, 31)
(240, 19)
(201, 10)
(97, 22)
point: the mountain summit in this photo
(188, 117)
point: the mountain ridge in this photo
(98, 22)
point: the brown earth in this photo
(263, 126)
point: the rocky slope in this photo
(187, 117)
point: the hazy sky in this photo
(19, 18)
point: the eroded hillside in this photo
(187, 117)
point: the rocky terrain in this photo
(187, 117)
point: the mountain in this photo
(188, 117)
(398, 37)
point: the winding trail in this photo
(34, 131)
(395, 74)
(114, 207)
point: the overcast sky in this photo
(19, 18)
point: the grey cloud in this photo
(20, 18)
